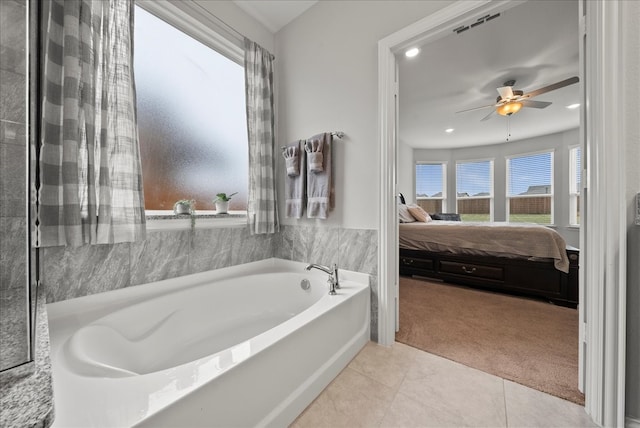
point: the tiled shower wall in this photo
(74, 272)
(14, 311)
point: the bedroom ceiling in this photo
(535, 44)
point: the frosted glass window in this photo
(530, 188)
(474, 190)
(430, 186)
(191, 118)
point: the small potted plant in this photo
(222, 202)
(186, 206)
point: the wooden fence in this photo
(529, 205)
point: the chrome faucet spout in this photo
(333, 275)
(319, 267)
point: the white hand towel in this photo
(291, 159)
(294, 185)
(314, 149)
(320, 192)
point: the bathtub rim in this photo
(86, 309)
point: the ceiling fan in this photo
(510, 100)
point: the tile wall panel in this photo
(70, 272)
(162, 255)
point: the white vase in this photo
(222, 207)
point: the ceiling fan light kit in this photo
(511, 100)
(509, 108)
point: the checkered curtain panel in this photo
(90, 171)
(262, 211)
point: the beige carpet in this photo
(529, 342)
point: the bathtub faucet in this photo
(333, 275)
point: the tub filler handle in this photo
(333, 275)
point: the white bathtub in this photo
(241, 346)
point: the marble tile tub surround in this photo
(75, 272)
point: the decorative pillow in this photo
(403, 214)
(419, 214)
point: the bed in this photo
(525, 259)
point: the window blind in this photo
(430, 180)
(530, 175)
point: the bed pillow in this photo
(418, 213)
(404, 216)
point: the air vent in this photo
(478, 21)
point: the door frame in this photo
(602, 242)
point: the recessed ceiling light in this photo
(573, 106)
(412, 52)
(449, 130)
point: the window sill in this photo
(167, 220)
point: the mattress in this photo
(520, 240)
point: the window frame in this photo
(197, 23)
(443, 198)
(491, 196)
(508, 198)
(574, 189)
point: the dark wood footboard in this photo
(516, 276)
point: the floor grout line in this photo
(504, 399)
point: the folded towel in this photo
(320, 192)
(294, 185)
(314, 150)
(291, 159)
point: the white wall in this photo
(239, 20)
(326, 71)
(631, 76)
(405, 173)
(558, 142)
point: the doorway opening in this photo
(603, 238)
(457, 157)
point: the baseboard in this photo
(631, 422)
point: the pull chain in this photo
(508, 127)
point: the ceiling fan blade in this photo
(558, 85)
(487, 117)
(506, 92)
(535, 104)
(476, 108)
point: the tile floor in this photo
(401, 386)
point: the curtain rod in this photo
(221, 22)
(338, 134)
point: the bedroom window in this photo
(474, 190)
(431, 186)
(191, 118)
(530, 188)
(574, 186)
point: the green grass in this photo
(513, 218)
(530, 218)
(475, 217)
